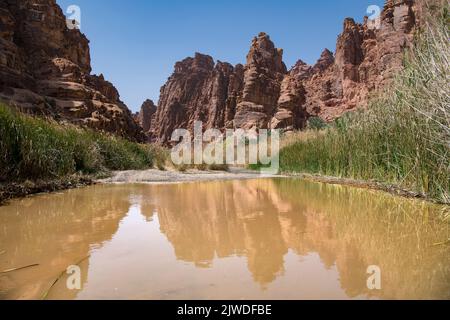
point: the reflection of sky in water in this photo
(260, 239)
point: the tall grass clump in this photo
(403, 137)
(34, 148)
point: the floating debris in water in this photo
(20, 268)
(442, 243)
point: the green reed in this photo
(34, 148)
(403, 137)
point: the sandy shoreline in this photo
(155, 176)
(158, 176)
(13, 190)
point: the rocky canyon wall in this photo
(45, 69)
(198, 90)
(264, 94)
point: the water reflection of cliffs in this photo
(55, 234)
(260, 221)
(349, 228)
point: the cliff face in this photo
(199, 90)
(263, 75)
(144, 116)
(263, 94)
(366, 58)
(45, 69)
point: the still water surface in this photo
(256, 239)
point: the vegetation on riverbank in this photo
(34, 148)
(403, 138)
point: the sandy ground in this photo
(158, 176)
(18, 190)
(153, 176)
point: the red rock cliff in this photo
(45, 69)
(366, 59)
(199, 90)
(144, 117)
(263, 94)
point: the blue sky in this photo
(136, 43)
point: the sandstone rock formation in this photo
(45, 69)
(199, 90)
(263, 94)
(221, 95)
(144, 116)
(263, 75)
(367, 56)
(290, 113)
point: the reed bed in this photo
(403, 137)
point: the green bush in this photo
(33, 148)
(316, 123)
